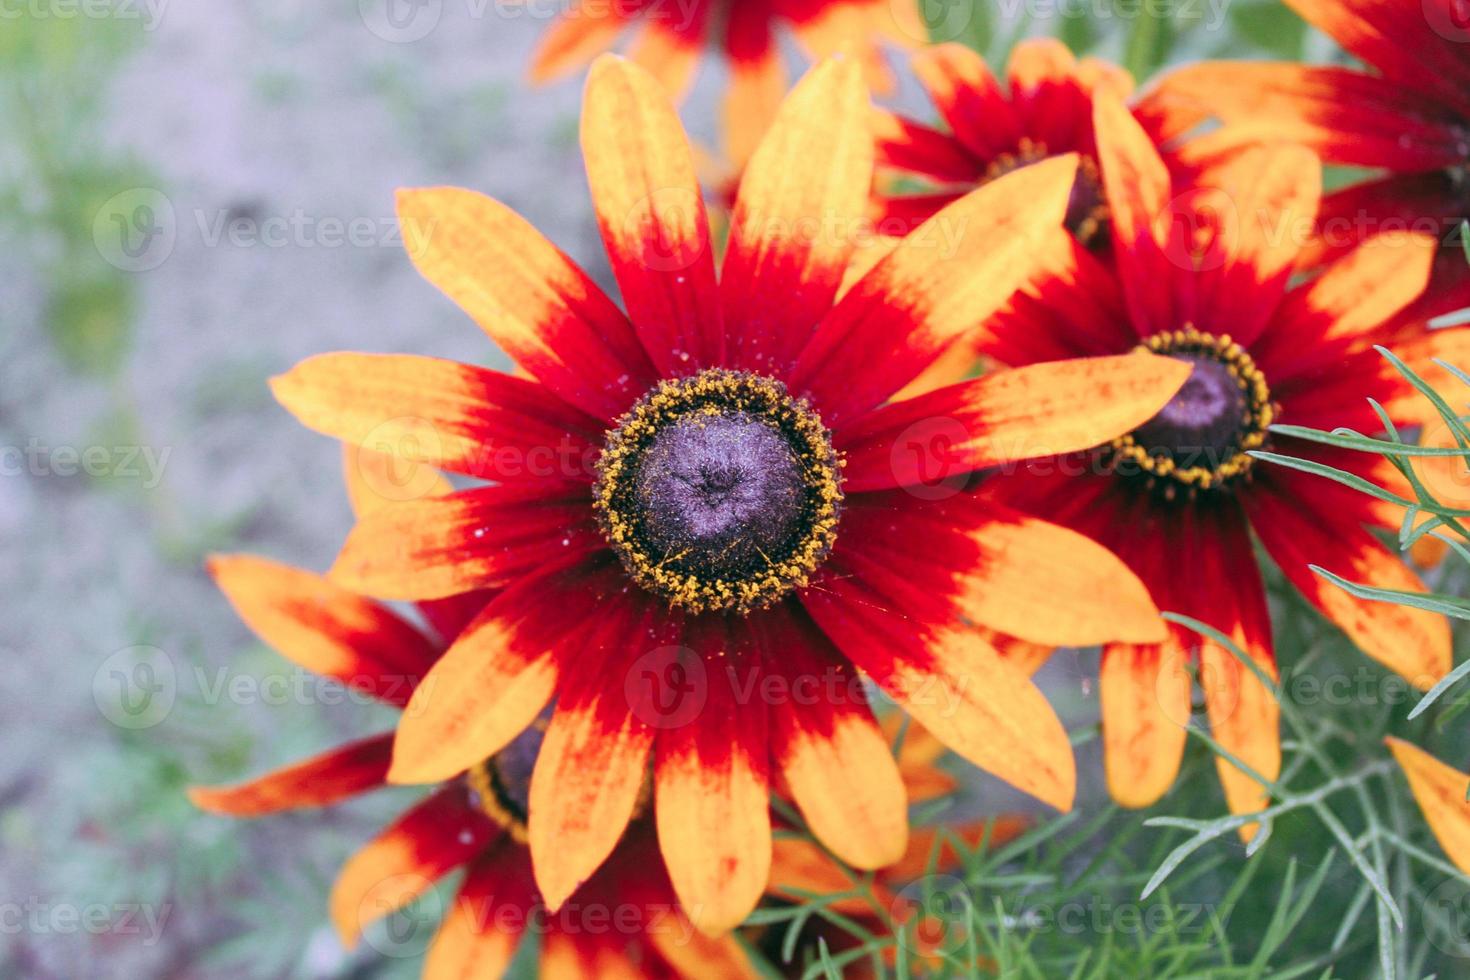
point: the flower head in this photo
(1044, 110)
(1409, 118)
(1203, 274)
(705, 520)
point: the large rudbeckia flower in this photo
(672, 33)
(1044, 110)
(1411, 119)
(1204, 277)
(704, 516)
(624, 919)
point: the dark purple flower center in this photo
(1202, 423)
(719, 491)
(1201, 440)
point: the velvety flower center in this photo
(502, 783)
(1200, 439)
(719, 491)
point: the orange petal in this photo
(499, 674)
(530, 298)
(403, 862)
(799, 866)
(1137, 187)
(710, 791)
(927, 840)
(587, 783)
(1412, 642)
(953, 683)
(1342, 309)
(948, 275)
(331, 777)
(1145, 706)
(483, 927)
(1440, 791)
(324, 628)
(652, 215)
(443, 414)
(1000, 568)
(375, 480)
(473, 539)
(781, 274)
(1267, 199)
(668, 53)
(1344, 114)
(580, 35)
(833, 756)
(1031, 412)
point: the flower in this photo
(1045, 111)
(671, 34)
(704, 518)
(1204, 275)
(1440, 790)
(625, 915)
(1410, 119)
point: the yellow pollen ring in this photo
(1257, 418)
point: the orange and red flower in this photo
(705, 520)
(1410, 119)
(1204, 276)
(672, 33)
(623, 919)
(1044, 110)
